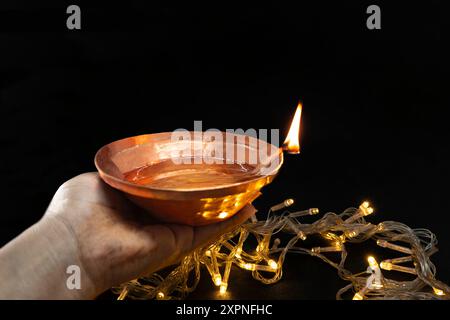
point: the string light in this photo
(399, 260)
(286, 203)
(389, 266)
(358, 296)
(160, 295)
(438, 292)
(337, 247)
(364, 210)
(265, 262)
(272, 264)
(385, 244)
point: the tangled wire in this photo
(266, 260)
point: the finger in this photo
(171, 242)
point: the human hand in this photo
(95, 227)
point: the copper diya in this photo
(155, 173)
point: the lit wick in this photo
(292, 144)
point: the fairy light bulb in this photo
(223, 288)
(286, 203)
(335, 248)
(358, 296)
(438, 292)
(352, 234)
(365, 208)
(160, 295)
(217, 279)
(330, 236)
(386, 265)
(248, 266)
(399, 260)
(393, 267)
(386, 244)
(273, 264)
(296, 229)
(238, 253)
(372, 262)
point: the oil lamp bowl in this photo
(193, 205)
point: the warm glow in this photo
(238, 253)
(358, 296)
(223, 288)
(372, 262)
(292, 144)
(248, 266)
(223, 215)
(438, 292)
(365, 208)
(386, 265)
(217, 279)
(273, 264)
(160, 295)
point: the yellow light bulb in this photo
(248, 266)
(438, 292)
(386, 265)
(352, 234)
(238, 253)
(372, 262)
(160, 295)
(358, 296)
(365, 208)
(286, 203)
(273, 264)
(382, 243)
(289, 202)
(223, 288)
(217, 279)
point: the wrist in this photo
(65, 260)
(35, 265)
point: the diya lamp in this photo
(190, 192)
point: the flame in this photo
(292, 144)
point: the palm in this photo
(116, 241)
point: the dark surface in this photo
(374, 124)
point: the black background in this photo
(374, 123)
